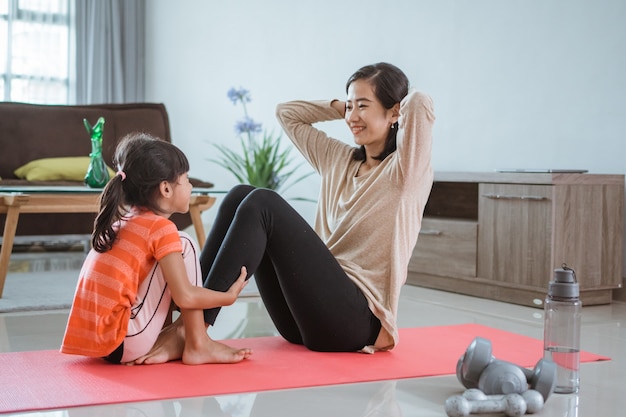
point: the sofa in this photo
(31, 132)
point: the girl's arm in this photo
(187, 296)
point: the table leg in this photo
(196, 219)
(195, 210)
(10, 226)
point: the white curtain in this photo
(109, 51)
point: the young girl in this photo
(139, 263)
(336, 287)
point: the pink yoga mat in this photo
(47, 379)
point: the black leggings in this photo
(307, 294)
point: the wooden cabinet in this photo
(501, 235)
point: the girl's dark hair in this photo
(391, 85)
(143, 162)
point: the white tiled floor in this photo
(602, 392)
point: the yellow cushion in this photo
(69, 168)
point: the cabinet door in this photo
(588, 227)
(514, 234)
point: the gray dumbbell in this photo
(478, 368)
(513, 405)
(534, 399)
(475, 401)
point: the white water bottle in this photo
(561, 337)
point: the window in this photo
(34, 51)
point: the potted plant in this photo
(261, 161)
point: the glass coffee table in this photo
(15, 200)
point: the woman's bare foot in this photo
(211, 351)
(169, 346)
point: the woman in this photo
(335, 287)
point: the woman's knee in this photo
(238, 193)
(262, 197)
(233, 198)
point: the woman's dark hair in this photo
(143, 162)
(391, 85)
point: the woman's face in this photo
(368, 120)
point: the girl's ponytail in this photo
(111, 211)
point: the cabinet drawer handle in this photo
(430, 232)
(515, 197)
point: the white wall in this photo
(516, 83)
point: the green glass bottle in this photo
(97, 173)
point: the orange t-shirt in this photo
(108, 282)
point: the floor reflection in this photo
(373, 399)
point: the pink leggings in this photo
(150, 310)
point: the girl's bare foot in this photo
(210, 351)
(169, 346)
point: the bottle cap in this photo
(564, 284)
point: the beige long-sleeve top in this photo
(371, 222)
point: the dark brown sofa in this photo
(30, 131)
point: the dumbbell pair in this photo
(477, 368)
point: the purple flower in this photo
(247, 125)
(242, 95)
